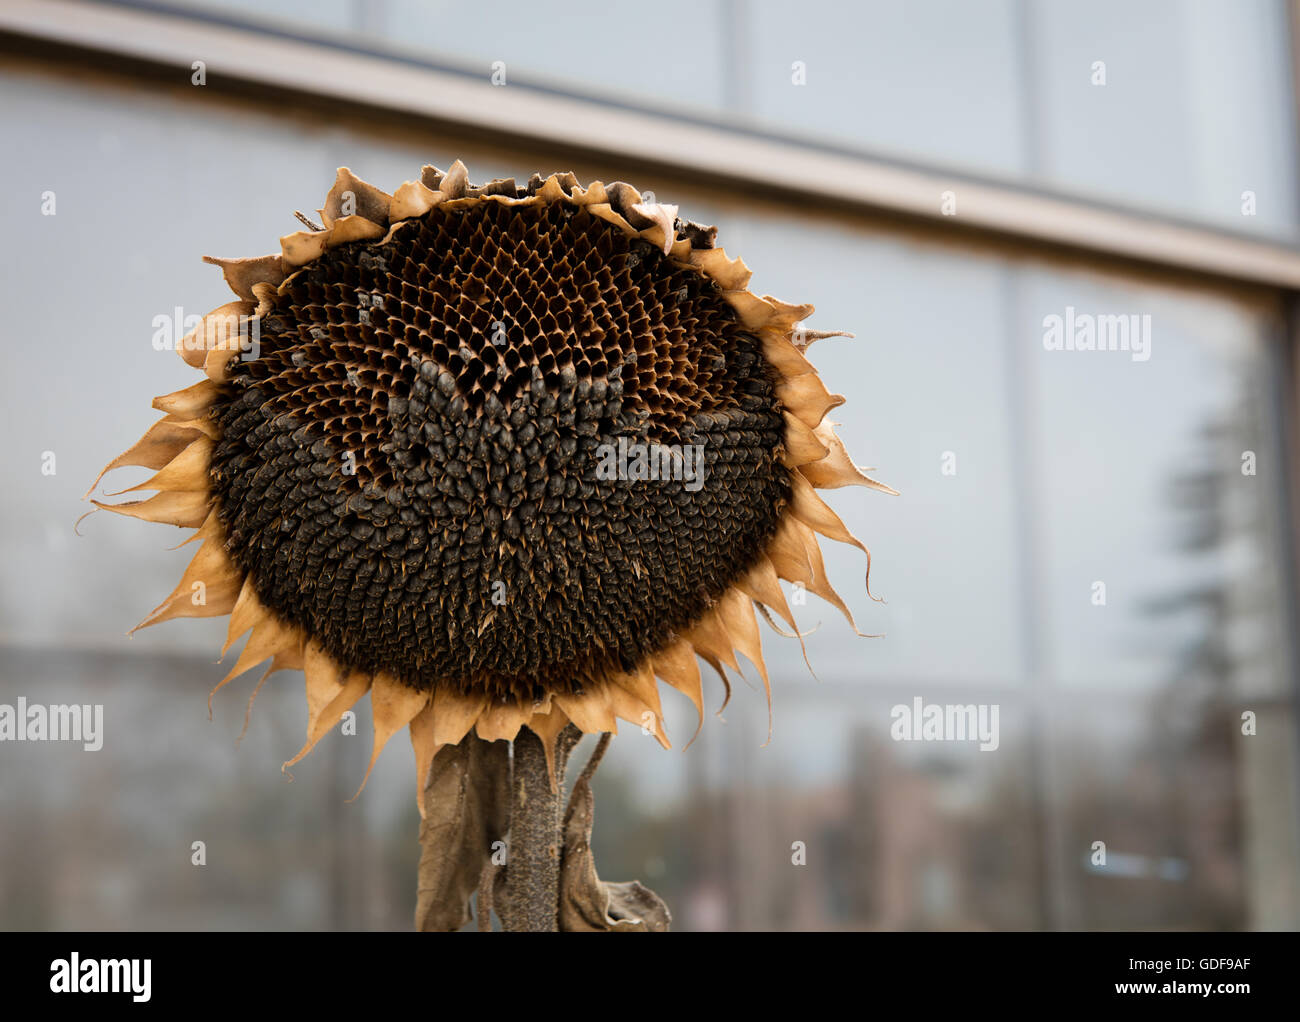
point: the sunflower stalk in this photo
(531, 880)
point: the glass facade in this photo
(1095, 542)
(1181, 107)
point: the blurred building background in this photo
(937, 176)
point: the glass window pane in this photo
(943, 552)
(669, 55)
(1159, 478)
(1196, 108)
(1069, 467)
(1182, 107)
(934, 80)
(1170, 816)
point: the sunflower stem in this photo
(530, 901)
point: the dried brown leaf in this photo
(589, 904)
(466, 808)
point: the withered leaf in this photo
(588, 904)
(466, 808)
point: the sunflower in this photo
(394, 460)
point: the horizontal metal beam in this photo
(775, 167)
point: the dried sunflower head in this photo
(497, 455)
